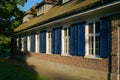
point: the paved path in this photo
(52, 70)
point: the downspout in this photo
(118, 74)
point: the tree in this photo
(10, 15)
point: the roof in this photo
(55, 12)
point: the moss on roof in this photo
(56, 11)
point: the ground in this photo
(17, 69)
(12, 71)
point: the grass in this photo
(9, 71)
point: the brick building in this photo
(84, 35)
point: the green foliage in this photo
(4, 40)
(4, 45)
(9, 71)
(10, 15)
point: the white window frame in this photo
(40, 10)
(22, 43)
(28, 43)
(88, 55)
(65, 51)
(37, 42)
(49, 42)
(17, 40)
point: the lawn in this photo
(10, 71)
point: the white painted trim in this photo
(28, 43)
(22, 43)
(17, 40)
(93, 57)
(36, 43)
(79, 14)
(86, 41)
(48, 43)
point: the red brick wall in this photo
(115, 21)
(96, 64)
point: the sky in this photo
(30, 3)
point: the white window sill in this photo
(66, 55)
(93, 57)
(49, 53)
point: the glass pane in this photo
(90, 51)
(97, 27)
(65, 45)
(91, 41)
(97, 45)
(97, 38)
(97, 42)
(90, 45)
(90, 38)
(90, 28)
(97, 51)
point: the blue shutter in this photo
(33, 42)
(73, 44)
(20, 44)
(58, 41)
(25, 43)
(43, 42)
(53, 41)
(81, 39)
(105, 37)
(39, 42)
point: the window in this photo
(37, 42)
(40, 10)
(64, 1)
(22, 44)
(25, 43)
(67, 40)
(49, 42)
(29, 43)
(17, 40)
(93, 37)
